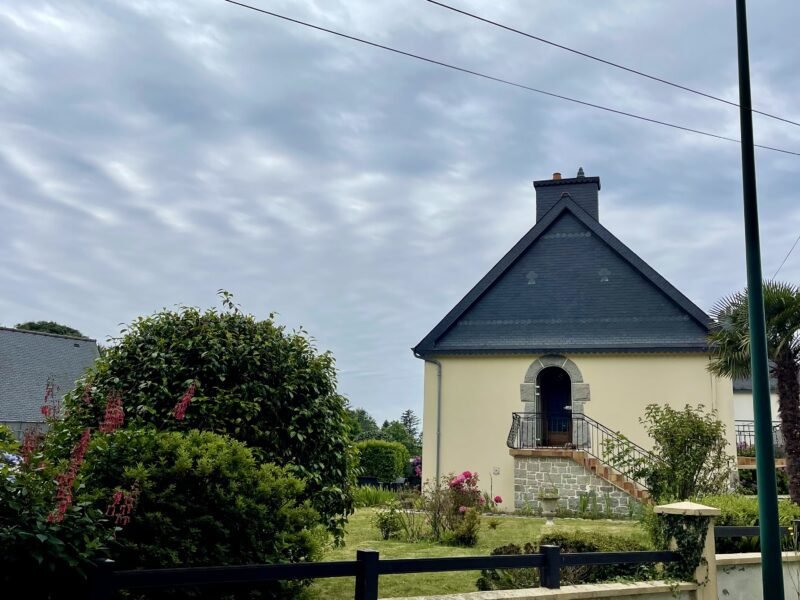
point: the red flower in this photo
(179, 411)
(65, 480)
(498, 500)
(114, 416)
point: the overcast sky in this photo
(152, 152)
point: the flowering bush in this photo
(465, 491)
(453, 506)
(48, 558)
(416, 466)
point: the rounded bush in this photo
(227, 372)
(384, 460)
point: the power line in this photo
(501, 80)
(606, 62)
(788, 254)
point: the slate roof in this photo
(745, 385)
(569, 285)
(28, 359)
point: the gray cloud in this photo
(154, 152)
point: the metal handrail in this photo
(610, 447)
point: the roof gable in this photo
(570, 285)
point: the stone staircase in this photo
(612, 476)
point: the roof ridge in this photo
(47, 333)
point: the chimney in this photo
(583, 190)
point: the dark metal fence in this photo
(367, 569)
(746, 438)
(534, 430)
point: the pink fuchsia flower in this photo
(179, 411)
(462, 509)
(498, 500)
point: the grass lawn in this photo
(361, 534)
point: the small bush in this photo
(389, 521)
(384, 460)
(466, 528)
(368, 495)
(509, 579)
(8, 443)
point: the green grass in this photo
(361, 534)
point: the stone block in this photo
(580, 392)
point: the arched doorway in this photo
(555, 406)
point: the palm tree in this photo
(729, 341)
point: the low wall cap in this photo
(687, 508)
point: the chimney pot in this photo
(556, 176)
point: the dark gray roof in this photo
(569, 285)
(28, 359)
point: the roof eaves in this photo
(48, 334)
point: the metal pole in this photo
(771, 569)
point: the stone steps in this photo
(612, 476)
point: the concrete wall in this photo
(647, 590)
(479, 394)
(743, 406)
(739, 576)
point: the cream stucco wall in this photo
(479, 394)
(743, 406)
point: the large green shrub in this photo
(198, 499)
(690, 453)
(252, 380)
(8, 443)
(384, 460)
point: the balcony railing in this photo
(746, 439)
(577, 431)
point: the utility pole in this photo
(771, 569)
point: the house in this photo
(28, 361)
(557, 348)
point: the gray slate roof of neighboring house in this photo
(745, 385)
(569, 285)
(28, 359)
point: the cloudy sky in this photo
(153, 152)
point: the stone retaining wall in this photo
(535, 473)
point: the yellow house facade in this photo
(559, 347)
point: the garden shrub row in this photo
(570, 541)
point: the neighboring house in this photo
(576, 334)
(28, 360)
(743, 399)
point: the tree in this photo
(729, 341)
(227, 372)
(411, 423)
(362, 425)
(393, 431)
(49, 327)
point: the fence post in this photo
(550, 571)
(367, 578)
(706, 573)
(100, 579)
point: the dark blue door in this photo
(555, 393)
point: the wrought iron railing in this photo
(536, 430)
(746, 438)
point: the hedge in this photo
(384, 460)
(742, 511)
(570, 541)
